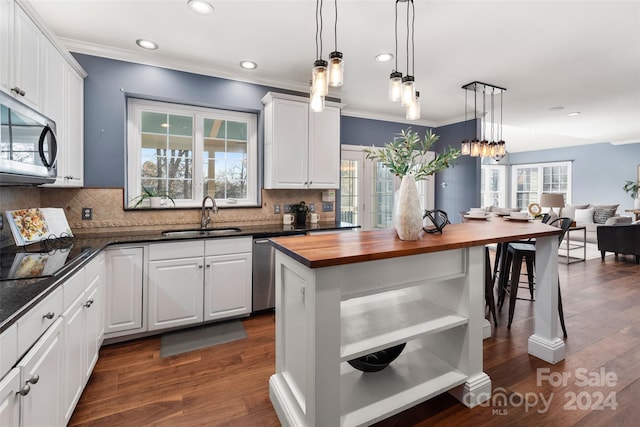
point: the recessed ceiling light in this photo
(574, 113)
(146, 44)
(556, 108)
(200, 7)
(384, 57)
(248, 65)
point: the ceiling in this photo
(583, 56)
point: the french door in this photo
(367, 188)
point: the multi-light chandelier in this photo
(325, 73)
(483, 144)
(403, 88)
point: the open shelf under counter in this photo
(415, 376)
(378, 321)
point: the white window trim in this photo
(134, 108)
(502, 183)
(514, 178)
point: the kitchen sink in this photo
(199, 232)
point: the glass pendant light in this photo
(465, 146)
(395, 86)
(320, 78)
(336, 62)
(316, 101)
(408, 91)
(475, 148)
(413, 110)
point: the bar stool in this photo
(516, 253)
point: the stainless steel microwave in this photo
(28, 146)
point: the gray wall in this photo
(358, 131)
(598, 170)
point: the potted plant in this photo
(405, 157)
(155, 198)
(631, 188)
(301, 210)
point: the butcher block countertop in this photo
(326, 250)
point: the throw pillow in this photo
(602, 214)
(584, 216)
(569, 211)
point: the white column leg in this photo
(545, 342)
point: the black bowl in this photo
(377, 361)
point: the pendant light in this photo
(465, 147)
(395, 78)
(408, 82)
(496, 147)
(319, 76)
(336, 62)
(413, 111)
(317, 101)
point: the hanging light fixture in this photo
(395, 78)
(465, 147)
(413, 111)
(317, 101)
(319, 77)
(336, 63)
(408, 82)
(493, 145)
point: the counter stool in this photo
(516, 253)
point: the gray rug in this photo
(177, 342)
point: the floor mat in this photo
(177, 342)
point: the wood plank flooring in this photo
(227, 385)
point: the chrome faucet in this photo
(204, 221)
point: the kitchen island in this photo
(343, 296)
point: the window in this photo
(367, 189)
(529, 181)
(190, 152)
(493, 186)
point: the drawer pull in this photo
(88, 304)
(24, 390)
(34, 379)
(18, 91)
(49, 315)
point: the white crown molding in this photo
(385, 118)
(626, 141)
(145, 58)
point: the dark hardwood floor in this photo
(227, 385)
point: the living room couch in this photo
(592, 217)
(620, 239)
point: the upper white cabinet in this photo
(302, 147)
(35, 69)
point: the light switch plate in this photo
(327, 207)
(312, 207)
(87, 213)
(276, 209)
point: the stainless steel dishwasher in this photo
(264, 278)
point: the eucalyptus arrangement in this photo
(631, 188)
(406, 154)
(405, 157)
(300, 209)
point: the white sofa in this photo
(591, 217)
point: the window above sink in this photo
(186, 152)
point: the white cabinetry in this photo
(211, 281)
(175, 284)
(10, 398)
(6, 44)
(124, 291)
(302, 147)
(227, 286)
(28, 51)
(83, 330)
(41, 377)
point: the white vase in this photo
(156, 202)
(636, 204)
(407, 214)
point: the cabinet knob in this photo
(200, 266)
(18, 91)
(24, 390)
(49, 315)
(208, 265)
(88, 304)
(34, 379)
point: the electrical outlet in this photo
(312, 207)
(276, 209)
(287, 208)
(87, 213)
(327, 207)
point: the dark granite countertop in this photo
(18, 296)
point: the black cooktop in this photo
(44, 259)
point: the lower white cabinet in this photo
(210, 281)
(10, 398)
(175, 292)
(83, 332)
(124, 296)
(41, 372)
